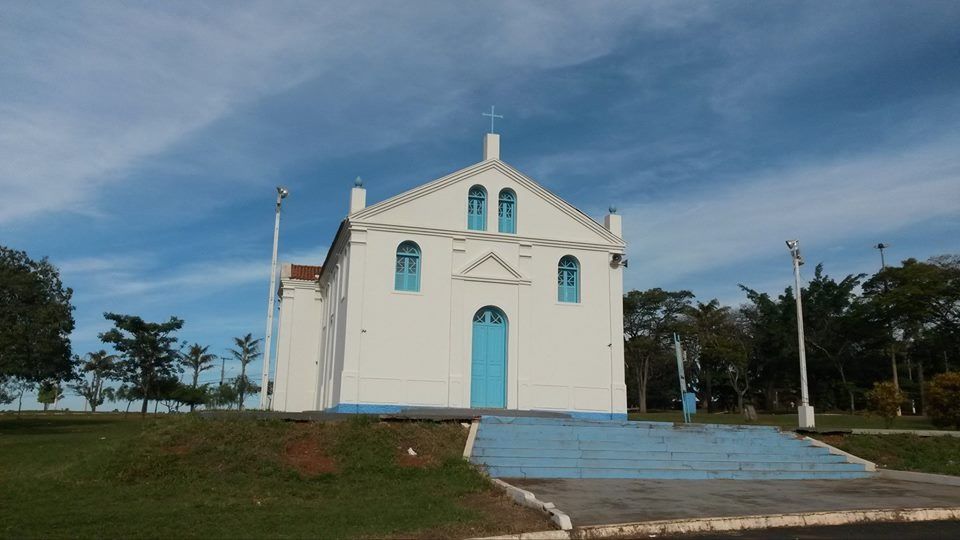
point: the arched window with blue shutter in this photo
(507, 212)
(407, 276)
(477, 209)
(568, 279)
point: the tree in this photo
(225, 394)
(830, 323)
(147, 350)
(192, 395)
(128, 393)
(8, 389)
(704, 326)
(50, 392)
(101, 367)
(36, 319)
(885, 399)
(247, 350)
(944, 400)
(772, 326)
(649, 319)
(920, 303)
(198, 360)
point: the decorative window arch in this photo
(507, 211)
(568, 279)
(477, 209)
(407, 273)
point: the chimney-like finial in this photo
(358, 182)
(613, 209)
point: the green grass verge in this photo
(82, 476)
(937, 455)
(789, 421)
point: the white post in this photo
(805, 415)
(271, 296)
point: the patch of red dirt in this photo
(419, 462)
(308, 458)
(178, 450)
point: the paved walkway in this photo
(595, 502)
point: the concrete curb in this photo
(740, 523)
(869, 465)
(917, 432)
(926, 478)
(471, 439)
(528, 499)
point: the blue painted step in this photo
(569, 448)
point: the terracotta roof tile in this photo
(302, 271)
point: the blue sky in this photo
(140, 143)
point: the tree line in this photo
(900, 325)
(147, 362)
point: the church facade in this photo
(480, 289)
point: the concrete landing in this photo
(409, 413)
(603, 501)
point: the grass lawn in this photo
(789, 421)
(110, 476)
(938, 455)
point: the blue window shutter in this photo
(407, 271)
(568, 280)
(507, 212)
(477, 209)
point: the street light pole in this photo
(804, 411)
(282, 193)
(883, 262)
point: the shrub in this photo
(943, 400)
(885, 400)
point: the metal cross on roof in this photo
(492, 117)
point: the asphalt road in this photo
(926, 530)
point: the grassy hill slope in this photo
(181, 476)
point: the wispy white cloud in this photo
(91, 93)
(741, 220)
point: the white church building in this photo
(480, 289)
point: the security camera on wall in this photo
(619, 261)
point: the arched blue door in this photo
(488, 373)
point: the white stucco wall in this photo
(301, 306)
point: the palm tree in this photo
(102, 366)
(198, 360)
(247, 350)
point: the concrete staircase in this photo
(522, 447)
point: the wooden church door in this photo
(488, 372)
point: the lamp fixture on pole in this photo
(805, 416)
(282, 193)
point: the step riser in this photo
(492, 420)
(638, 447)
(533, 472)
(666, 464)
(520, 434)
(817, 457)
(629, 434)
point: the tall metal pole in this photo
(804, 411)
(271, 297)
(883, 262)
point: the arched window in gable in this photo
(507, 212)
(568, 279)
(407, 273)
(477, 209)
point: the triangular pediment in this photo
(491, 266)
(441, 204)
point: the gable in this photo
(491, 265)
(442, 204)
